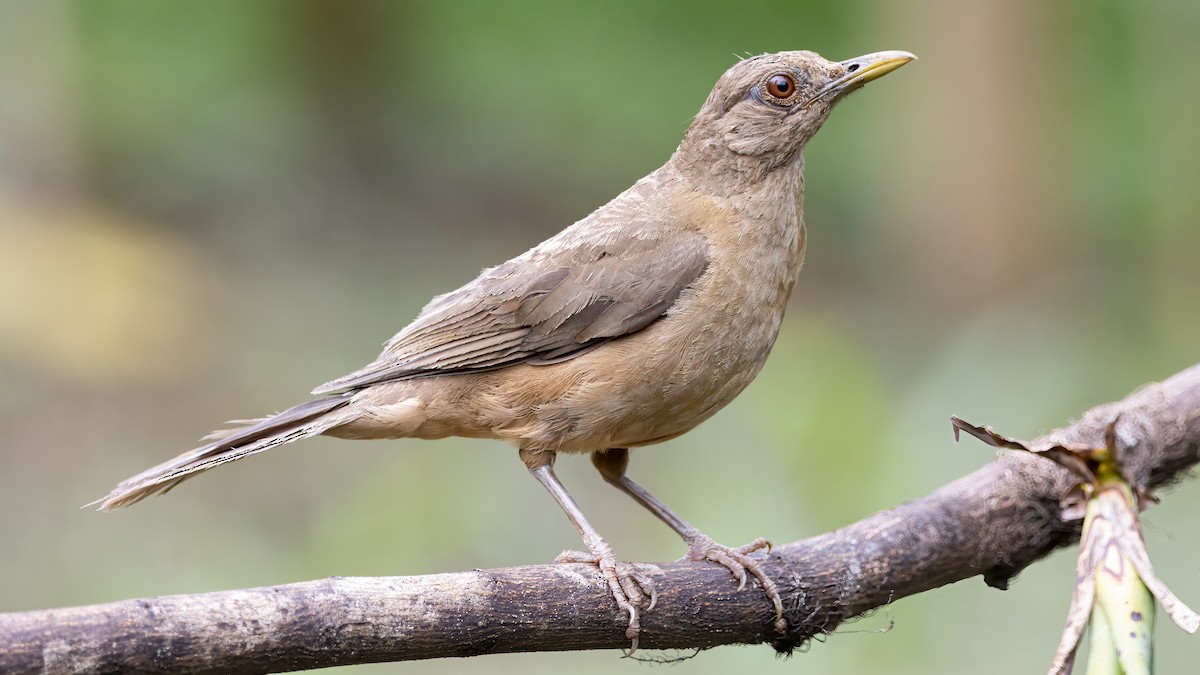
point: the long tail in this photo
(302, 421)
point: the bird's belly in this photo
(640, 390)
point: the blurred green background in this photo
(208, 208)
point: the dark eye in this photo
(781, 86)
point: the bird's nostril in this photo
(852, 67)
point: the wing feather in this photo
(556, 302)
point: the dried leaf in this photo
(1073, 505)
(1111, 549)
(1074, 460)
(1077, 613)
(1128, 534)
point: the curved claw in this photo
(626, 653)
(629, 584)
(760, 544)
(738, 562)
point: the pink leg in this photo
(629, 584)
(612, 464)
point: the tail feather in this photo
(308, 419)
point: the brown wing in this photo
(549, 305)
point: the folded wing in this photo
(549, 305)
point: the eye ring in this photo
(780, 86)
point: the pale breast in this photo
(667, 378)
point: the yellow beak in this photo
(859, 71)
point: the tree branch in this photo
(994, 522)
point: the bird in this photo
(626, 329)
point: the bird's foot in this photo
(739, 562)
(631, 585)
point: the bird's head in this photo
(764, 109)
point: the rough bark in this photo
(993, 522)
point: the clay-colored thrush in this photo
(628, 328)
